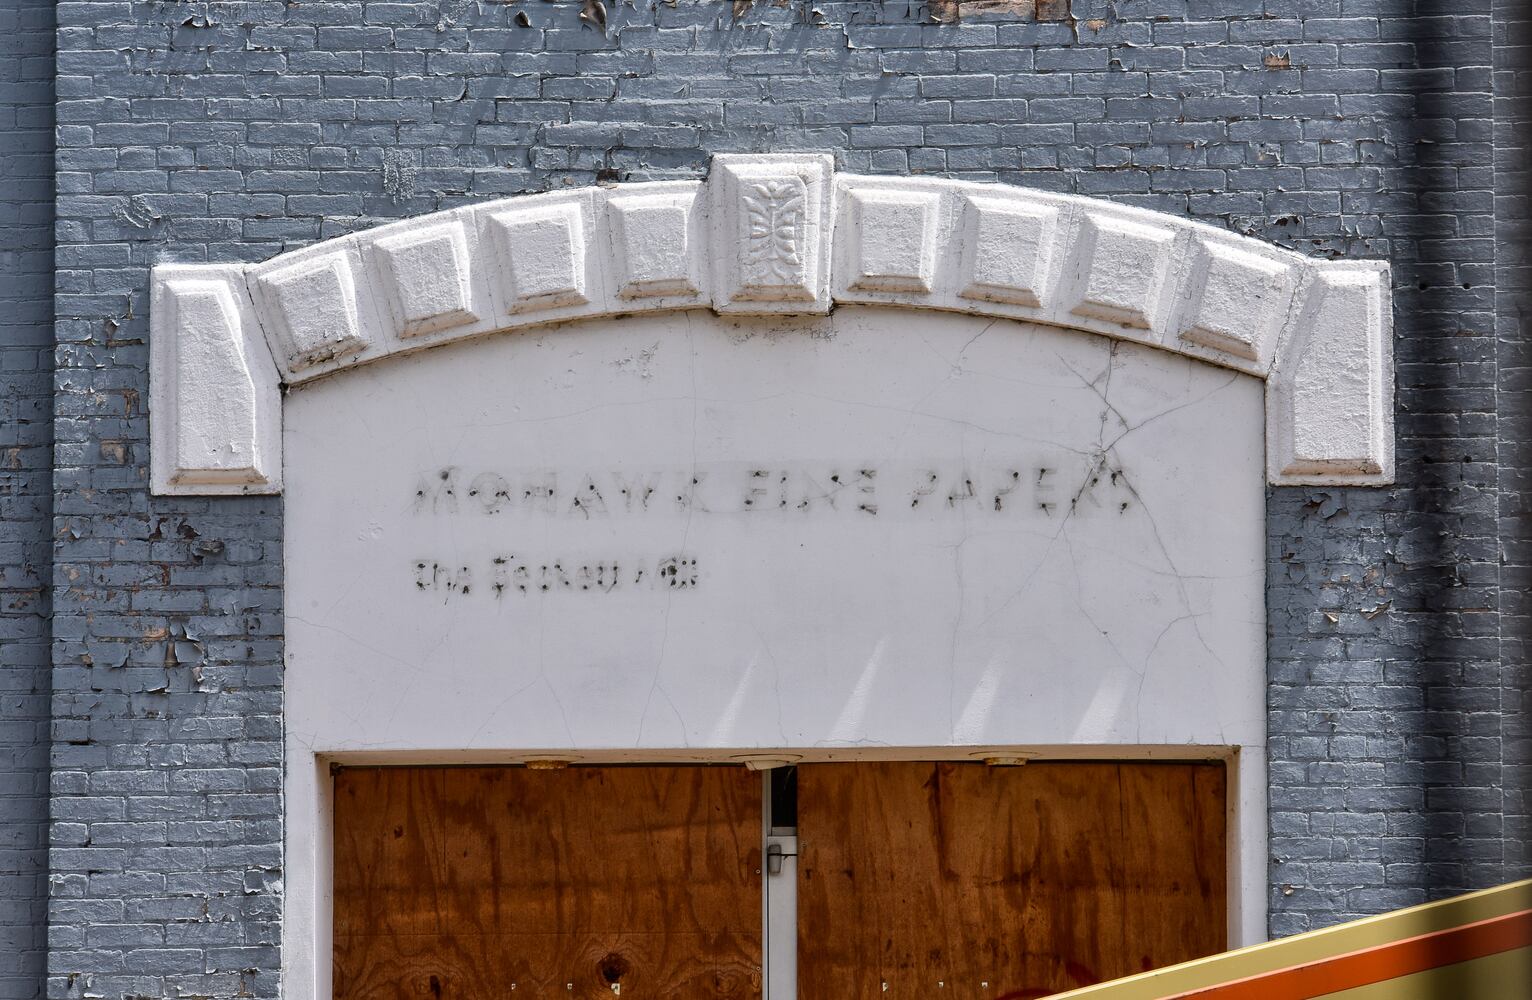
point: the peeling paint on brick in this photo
(952, 11)
(1053, 10)
(27, 96)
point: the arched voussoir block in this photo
(771, 234)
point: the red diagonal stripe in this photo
(1378, 963)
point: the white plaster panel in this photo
(891, 239)
(312, 306)
(1122, 270)
(656, 237)
(426, 274)
(1331, 394)
(215, 404)
(1099, 603)
(771, 217)
(1007, 249)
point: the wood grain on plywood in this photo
(922, 880)
(507, 882)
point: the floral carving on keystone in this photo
(775, 210)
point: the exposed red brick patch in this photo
(951, 11)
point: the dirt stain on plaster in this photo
(640, 363)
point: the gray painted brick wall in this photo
(26, 488)
(1388, 694)
(1513, 312)
(232, 131)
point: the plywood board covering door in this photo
(575, 884)
(957, 880)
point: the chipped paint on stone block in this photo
(1007, 250)
(426, 273)
(1237, 301)
(542, 256)
(312, 307)
(656, 232)
(1120, 271)
(891, 239)
(1330, 399)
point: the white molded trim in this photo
(771, 234)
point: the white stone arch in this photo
(770, 234)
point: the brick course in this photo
(230, 131)
(26, 489)
(1513, 310)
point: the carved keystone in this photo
(771, 217)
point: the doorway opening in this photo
(863, 879)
